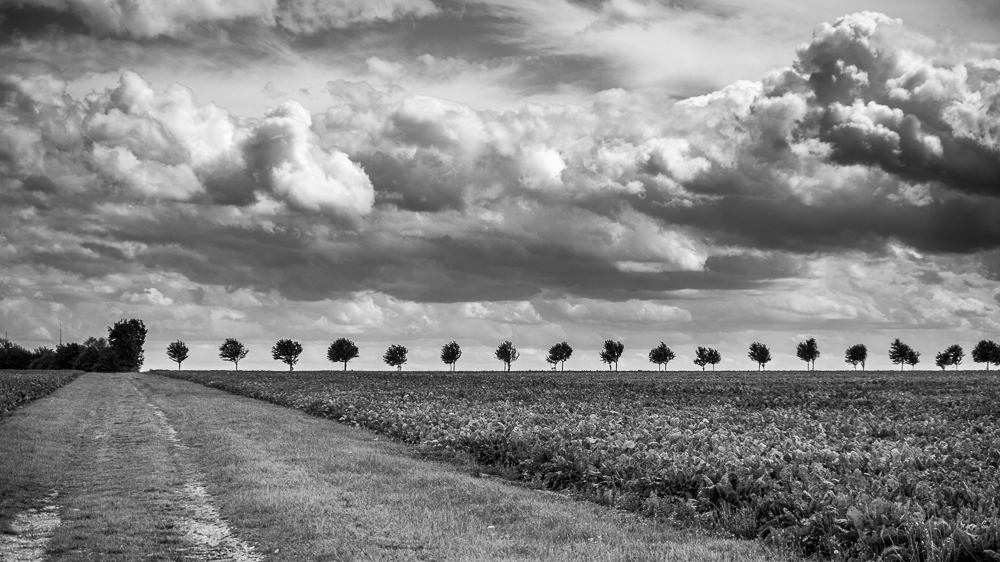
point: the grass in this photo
(294, 486)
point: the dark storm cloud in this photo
(959, 225)
(923, 116)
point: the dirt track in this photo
(130, 479)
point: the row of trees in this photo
(344, 350)
(121, 351)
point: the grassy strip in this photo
(845, 465)
(101, 449)
(20, 387)
(302, 488)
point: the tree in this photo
(233, 350)
(13, 355)
(956, 353)
(97, 357)
(912, 358)
(287, 351)
(760, 354)
(953, 355)
(899, 353)
(701, 357)
(450, 354)
(714, 357)
(507, 352)
(559, 353)
(126, 338)
(661, 355)
(986, 351)
(808, 351)
(612, 352)
(855, 354)
(177, 352)
(42, 358)
(395, 356)
(66, 356)
(342, 350)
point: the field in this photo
(120, 467)
(842, 465)
(20, 387)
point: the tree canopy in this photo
(760, 354)
(612, 352)
(287, 351)
(856, 354)
(126, 338)
(234, 351)
(661, 355)
(395, 356)
(507, 352)
(986, 351)
(808, 351)
(450, 354)
(177, 351)
(707, 356)
(558, 354)
(953, 355)
(902, 354)
(342, 350)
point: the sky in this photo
(701, 173)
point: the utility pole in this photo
(60, 334)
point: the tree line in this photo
(121, 351)
(344, 350)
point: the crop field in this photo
(20, 387)
(841, 465)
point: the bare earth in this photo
(142, 467)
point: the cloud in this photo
(151, 296)
(590, 311)
(135, 143)
(152, 19)
(397, 212)
(284, 151)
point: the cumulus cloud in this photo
(136, 143)
(284, 152)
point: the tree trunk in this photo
(345, 366)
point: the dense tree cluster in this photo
(121, 351)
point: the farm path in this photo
(128, 486)
(136, 466)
